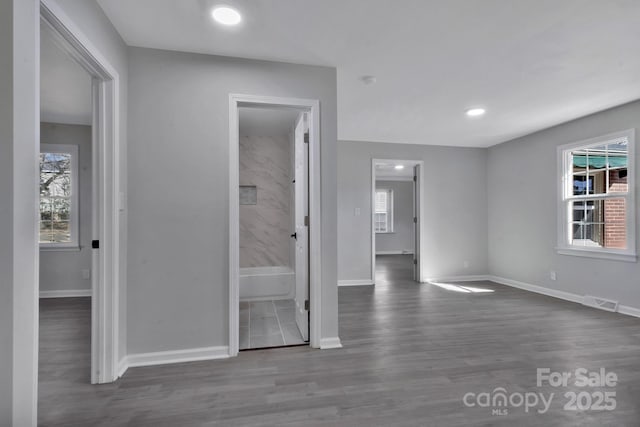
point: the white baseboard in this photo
(122, 366)
(328, 343)
(629, 311)
(359, 282)
(567, 296)
(67, 293)
(404, 252)
(470, 278)
(173, 356)
(555, 293)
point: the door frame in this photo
(311, 106)
(106, 197)
(419, 241)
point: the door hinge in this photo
(95, 244)
(306, 304)
(306, 138)
(295, 236)
(306, 221)
(415, 178)
(415, 219)
(415, 261)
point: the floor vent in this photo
(601, 303)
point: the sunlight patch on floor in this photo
(461, 288)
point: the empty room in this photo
(331, 213)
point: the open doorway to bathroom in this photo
(396, 220)
(273, 227)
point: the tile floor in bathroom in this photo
(268, 324)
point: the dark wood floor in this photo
(411, 352)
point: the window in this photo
(597, 207)
(58, 196)
(383, 216)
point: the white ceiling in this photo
(266, 122)
(531, 63)
(65, 87)
(386, 169)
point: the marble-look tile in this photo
(266, 226)
(291, 334)
(244, 338)
(263, 341)
(262, 309)
(244, 317)
(284, 304)
(265, 326)
(287, 316)
(270, 324)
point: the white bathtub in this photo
(266, 283)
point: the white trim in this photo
(469, 278)
(66, 293)
(357, 282)
(563, 295)
(629, 311)
(173, 356)
(564, 194)
(106, 144)
(402, 252)
(420, 226)
(555, 293)
(598, 253)
(329, 343)
(315, 233)
(122, 366)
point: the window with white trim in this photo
(383, 215)
(597, 207)
(58, 196)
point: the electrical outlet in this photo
(86, 274)
(465, 264)
(356, 212)
(552, 275)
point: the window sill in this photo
(594, 253)
(60, 248)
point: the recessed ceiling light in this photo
(475, 112)
(399, 167)
(226, 15)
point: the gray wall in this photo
(456, 207)
(178, 190)
(523, 182)
(403, 232)
(89, 18)
(62, 270)
(265, 227)
(6, 212)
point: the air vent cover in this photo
(601, 303)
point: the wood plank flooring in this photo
(411, 352)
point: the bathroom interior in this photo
(273, 245)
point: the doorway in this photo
(80, 209)
(273, 173)
(274, 212)
(396, 218)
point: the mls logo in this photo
(500, 412)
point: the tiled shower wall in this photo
(265, 227)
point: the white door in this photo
(301, 236)
(416, 222)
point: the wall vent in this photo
(601, 303)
